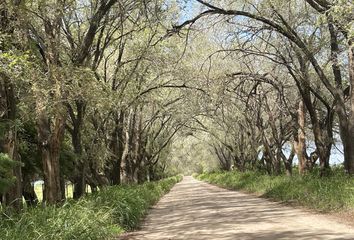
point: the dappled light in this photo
(106, 104)
(196, 210)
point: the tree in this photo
(280, 24)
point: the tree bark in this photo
(276, 158)
(300, 140)
(50, 136)
(13, 197)
(80, 167)
(138, 153)
(50, 141)
(117, 145)
(348, 136)
(125, 168)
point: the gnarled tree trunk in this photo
(50, 139)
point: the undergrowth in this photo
(101, 215)
(332, 193)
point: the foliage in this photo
(104, 93)
(98, 216)
(6, 177)
(331, 193)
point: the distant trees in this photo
(283, 46)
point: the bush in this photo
(332, 193)
(102, 215)
(6, 177)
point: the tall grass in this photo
(332, 193)
(102, 215)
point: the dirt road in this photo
(196, 210)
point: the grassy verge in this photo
(332, 193)
(102, 215)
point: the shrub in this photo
(6, 177)
(102, 215)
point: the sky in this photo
(189, 8)
(335, 158)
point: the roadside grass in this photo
(327, 194)
(102, 215)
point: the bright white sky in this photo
(188, 9)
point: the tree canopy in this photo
(104, 92)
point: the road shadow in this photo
(196, 210)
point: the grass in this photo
(332, 193)
(102, 215)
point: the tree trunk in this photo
(117, 145)
(137, 147)
(125, 165)
(28, 192)
(80, 167)
(79, 185)
(288, 162)
(300, 140)
(348, 136)
(13, 197)
(322, 132)
(276, 158)
(50, 137)
(323, 140)
(271, 161)
(51, 112)
(50, 143)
